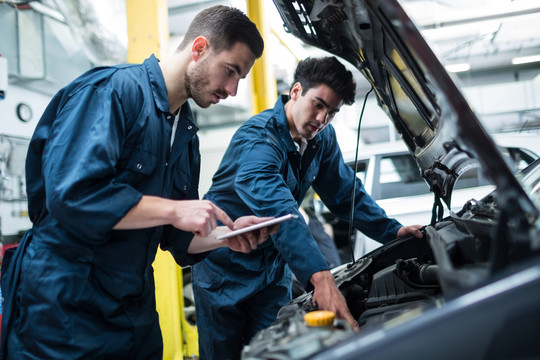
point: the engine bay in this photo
(391, 285)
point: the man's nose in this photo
(323, 116)
(232, 87)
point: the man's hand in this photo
(199, 217)
(249, 241)
(413, 230)
(242, 243)
(327, 296)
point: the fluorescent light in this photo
(525, 59)
(458, 67)
(467, 30)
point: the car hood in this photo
(435, 121)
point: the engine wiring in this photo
(353, 192)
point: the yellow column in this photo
(148, 32)
(148, 29)
(263, 81)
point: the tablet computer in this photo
(257, 226)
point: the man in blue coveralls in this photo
(271, 162)
(112, 173)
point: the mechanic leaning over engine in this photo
(271, 162)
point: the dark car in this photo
(470, 288)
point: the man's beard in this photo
(196, 82)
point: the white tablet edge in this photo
(257, 226)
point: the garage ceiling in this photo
(485, 35)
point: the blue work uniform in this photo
(75, 288)
(263, 173)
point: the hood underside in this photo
(435, 121)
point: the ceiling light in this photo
(458, 67)
(525, 59)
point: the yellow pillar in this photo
(148, 32)
(263, 81)
(148, 29)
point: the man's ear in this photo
(198, 48)
(296, 91)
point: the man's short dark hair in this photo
(224, 26)
(312, 72)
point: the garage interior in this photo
(492, 48)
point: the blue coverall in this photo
(262, 173)
(75, 288)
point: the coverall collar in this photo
(283, 126)
(157, 82)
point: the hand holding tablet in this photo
(257, 226)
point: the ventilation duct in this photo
(100, 26)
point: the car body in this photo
(470, 287)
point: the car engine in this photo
(396, 282)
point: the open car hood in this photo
(473, 279)
(412, 87)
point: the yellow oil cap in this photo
(319, 318)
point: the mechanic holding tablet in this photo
(271, 162)
(108, 183)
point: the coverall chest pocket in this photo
(182, 185)
(135, 165)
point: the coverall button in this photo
(190, 127)
(139, 166)
(185, 187)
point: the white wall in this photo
(503, 105)
(213, 146)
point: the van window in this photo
(399, 176)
